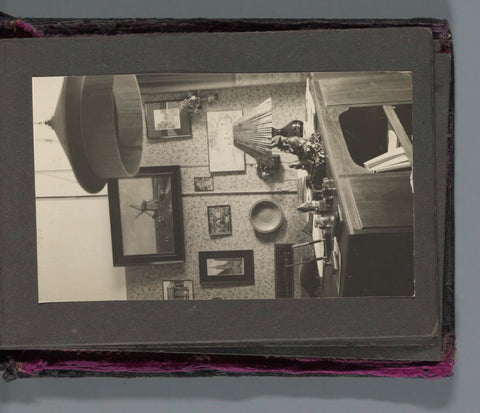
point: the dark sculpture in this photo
(310, 153)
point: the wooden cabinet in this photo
(373, 234)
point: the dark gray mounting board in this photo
(390, 323)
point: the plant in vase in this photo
(193, 103)
(310, 153)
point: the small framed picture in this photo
(227, 266)
(178, 290)
(219, 220)
(146, 217)
(167, 120)
(203, 183)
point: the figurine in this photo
(310, 153)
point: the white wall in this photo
(74, 249)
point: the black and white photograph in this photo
(227, 267)
(178, 290)
(146, 211)
(203, 183)
(224, 156)
(167, 120)
(317, 168)
(219, 220)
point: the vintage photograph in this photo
(316, 168)
(219, 220)
(227, 267)
(224, 156)
(146, 211)
(203, 183)
(167, 120)
(178, 290)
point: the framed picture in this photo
(167, 120)
(146, 217)
(227, 266)
(223, 155)
(178, 290)
(219, 220)
(203, 183)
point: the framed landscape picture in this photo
(146, 217)
(235, 266)
(219, 220)
(167, 120)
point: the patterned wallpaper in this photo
(238, 190)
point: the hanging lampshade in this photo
(99, 122)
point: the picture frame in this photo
(167, 120)
(203, 184)
(219, 220)
(177, 290)
(146, 217)
(236, 266)
(223, 155)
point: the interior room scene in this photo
(222, 186)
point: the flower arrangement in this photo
(310, 153)
(194, 103)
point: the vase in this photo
(293, 128)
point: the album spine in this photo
(3, 206)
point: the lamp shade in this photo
(99, 122)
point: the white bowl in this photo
(266, 216)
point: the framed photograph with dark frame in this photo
(167, 120)
(219, 220)
(146, 217)
(178, 290)
(235, 266)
